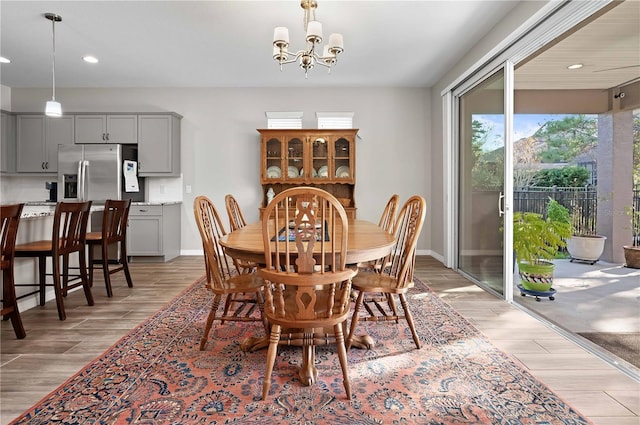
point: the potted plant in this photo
(632, 252)
(583, 246)
(536, 241)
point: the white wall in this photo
(516, 18)
(220, 145)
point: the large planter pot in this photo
(587, 248)
(632, 256)
(536, 277)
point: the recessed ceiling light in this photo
(90, 59)
(4, 60)
(575, 66)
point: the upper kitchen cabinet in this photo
(38, 138)
(106, 128)
(159, 145)
(8, 143)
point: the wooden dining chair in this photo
(388, 217)
(237, 221)
(376, 291)
(307, 283)
(68, 237)
(113, 233)
(236, 218)
(387, 220)
(244, 291)
(10, 215)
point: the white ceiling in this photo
(608, 47)
(228, 43)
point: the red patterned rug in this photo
(157, 375)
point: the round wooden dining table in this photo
(366, 242)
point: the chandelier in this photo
(308, 57)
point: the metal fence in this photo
(581, 202)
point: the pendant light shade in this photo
(53, 108)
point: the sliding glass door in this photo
(481, 176)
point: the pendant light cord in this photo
(53, 22)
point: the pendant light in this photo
(53, 108)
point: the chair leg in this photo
(65, 274)
(265, 321)
(227, 305)
(10, 304)
(57, 287)
(392, 305)
(210, 319)
(409, 317)
(125, 264)
(42, 272)
(83, 277)
(342, 356)
(354, 318)
(91, 260)
(105, 269)
(274, 338)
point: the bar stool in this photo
(10, 215)
(68, 237)
(114, 231)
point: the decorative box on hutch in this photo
(320, 158)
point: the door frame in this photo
(544, 26)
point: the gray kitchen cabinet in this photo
(106, 128)
(159, 145)
(38, 137)
(153, 232)
(8, 143)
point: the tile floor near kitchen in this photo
(55, 350)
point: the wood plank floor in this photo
(55, 350)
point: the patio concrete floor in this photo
(603, 297)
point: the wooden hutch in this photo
(309, 157)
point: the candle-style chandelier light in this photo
(307, 57)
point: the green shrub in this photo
(536, 238)
(569, 176)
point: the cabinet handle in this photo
(104, 136)
(107, 136)
(42, 165)
(46, 165)
(143, 210)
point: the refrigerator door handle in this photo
(85, 177)
(80, 180)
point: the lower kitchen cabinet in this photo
(154, 232)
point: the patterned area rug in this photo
(157, 375)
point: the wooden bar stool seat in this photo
(114, 232)
(10, 215)
(68, 237)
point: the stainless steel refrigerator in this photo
(94, 173)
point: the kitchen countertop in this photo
(47, 209)
(49, 203)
